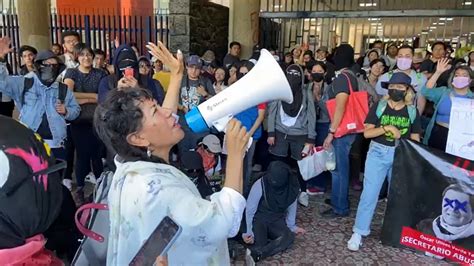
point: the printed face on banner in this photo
(456, 209)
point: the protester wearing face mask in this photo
(319, 88)
(388, 121)
(39, 102)
(437, 131)
(125, 58)
(271, 213)
(344, 61)
(291, 127)
(404, 64)
(455, 224)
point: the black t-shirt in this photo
(398, 118)
(85, 82)
(341, 85)
(229, 60)
(430, 67)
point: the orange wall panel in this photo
(104, 7)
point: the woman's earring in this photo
(148, 152)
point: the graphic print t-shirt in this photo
(398, 118)
(190, 98)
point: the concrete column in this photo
(33, 20)
(179, 25)
(243, 24)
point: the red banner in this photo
(435, 246)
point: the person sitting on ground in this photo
(271, 213)
(27, 54)
(209, 149)
(146, 188)
(44, 104)
(391, 119)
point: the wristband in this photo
(332, 131)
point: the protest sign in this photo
(461, 128)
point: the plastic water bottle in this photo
(330, 159)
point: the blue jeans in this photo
(340, 176)
(377, 166)
(321, 180)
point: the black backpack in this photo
(29, 84)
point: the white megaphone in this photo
(266, 82)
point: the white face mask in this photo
(404, 63)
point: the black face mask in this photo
(396, 95)
(47, 74)
(317, 77)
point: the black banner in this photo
(432, 193)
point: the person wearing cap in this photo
(27, 54)
(321, 55)
(404, 60)
(391, 56)
(209, 149)
(38, 98)
(388, 121)
(160, 74)
(195, 89)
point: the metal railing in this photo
(97, 31)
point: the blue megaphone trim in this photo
(195, 121)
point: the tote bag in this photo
(357, 108)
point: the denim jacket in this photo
(38, 100)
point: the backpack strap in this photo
(412, 113)
(28, 84)
(62, 93)
(381, 106)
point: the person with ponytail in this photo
(146, 188)
(388, 121)
(436, 134)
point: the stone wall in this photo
(209, 28)
(198, 25)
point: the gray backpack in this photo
(93, 221)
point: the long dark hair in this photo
(119, 116)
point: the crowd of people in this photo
(129, 117)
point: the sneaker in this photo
(67, 183)
(91, 178)
(330, 214)
(315, 191)
(303, 199)
(257, 168)
(355, 242)
(249, 261)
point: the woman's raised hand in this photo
(237, 138)
(175, 64)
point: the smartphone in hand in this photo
(158, 244)
(128, 72)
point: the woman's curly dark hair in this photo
(119, 116)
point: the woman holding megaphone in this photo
(146, 188)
